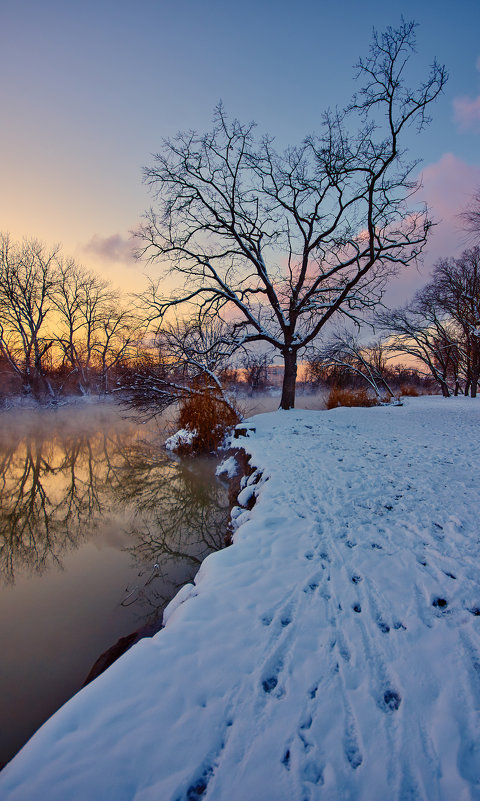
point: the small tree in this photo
(368, 362)
(421, 331)
(275, 244)
(182, 359)
(84, 305)
(255, 370)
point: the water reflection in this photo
(51, 494)
(98, 528)
(54, 491)
(180, 516)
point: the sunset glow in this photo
(93, 91)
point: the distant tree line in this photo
(440, 329)
(62, 328)
(438, 333)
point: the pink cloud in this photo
(447, 188)
(467, 113)
(112, 248)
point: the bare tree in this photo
(471, 218)
(117, 335)
(368, 362)
(275, 244)
(420, 330)
(28, 279)
(95, 330)
(74, 287)
(185, 357)
(455, 289)
(255, 369)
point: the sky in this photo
(89, 89)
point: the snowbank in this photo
(332, 653)
(181, 438)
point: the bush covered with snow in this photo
(204, 419)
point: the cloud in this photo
(112, 248)
(448, 186)
(467, 113)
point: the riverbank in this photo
(331, 652)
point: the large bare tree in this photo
(275, 244)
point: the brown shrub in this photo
(349, 397)
(409, 391)
(209, 416)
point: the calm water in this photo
(98, 530)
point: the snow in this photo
(332, 652)
(182, 437)
(227, 468)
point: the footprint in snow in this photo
(391, 700)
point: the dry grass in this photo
(409, 391)
(349, 397)
(209, 416)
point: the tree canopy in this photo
(275, 244)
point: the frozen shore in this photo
(333, 652)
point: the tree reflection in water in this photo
(181, 514)
(81, 491)
(56, 487)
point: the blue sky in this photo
(88, 90)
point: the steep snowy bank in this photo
(332, 653)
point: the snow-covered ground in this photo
(332, 653)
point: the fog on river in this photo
(99, 527)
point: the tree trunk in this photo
(289, 380)
(445, 389)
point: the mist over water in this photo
(99, 528)
(269, 401)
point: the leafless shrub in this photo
(206, 414)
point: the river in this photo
(99, 528)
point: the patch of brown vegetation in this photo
(206, 413)
(409, 391)
(349, 397)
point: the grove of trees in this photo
(441, 327)
(60, 326)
